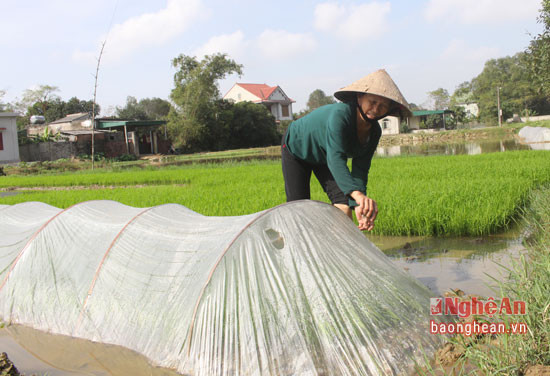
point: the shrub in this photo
(126, 158)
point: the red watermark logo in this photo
(465, 308)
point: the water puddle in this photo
(6, 194)
(467, 263)
(471, 148)
(36, 352)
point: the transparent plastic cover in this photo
(293, 290)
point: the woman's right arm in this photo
(365, 211)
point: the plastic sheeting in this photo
(538, 138)
(294, 290)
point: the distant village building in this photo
(389, 125)
(9, 148)
(273, 97)
(421, 116)
(112, 138)
(471, 109)
(72, 122)
(136, 137)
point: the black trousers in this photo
(297, 175)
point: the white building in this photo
(273, 97)
(389, 125)
(9, 147)
(471, 109)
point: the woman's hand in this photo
(365, 211)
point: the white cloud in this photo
(354, 22)
(232, 44)
(146, 30)
(458, 50)
(84, 56)
(281, 44)
(270, 44)
(481, 11)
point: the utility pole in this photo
(95, 86)
(499, 109)
(93, 103)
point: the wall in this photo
(10, 147)
(245, 95)
(51, 151)
(535, 118)
(389, 125)
(278, 95)
(471, 109)
(414, 122)
(111, 144)
(47, 151)
(282, 100)
(77, 125)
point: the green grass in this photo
(529, 281)
(456, 195)
(539, 123)
(97, 177)
(437, 195)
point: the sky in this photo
(299, 45)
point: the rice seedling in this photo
(437, 195)
(106, 178)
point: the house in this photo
(273, 97)
(9, 147)
(112, 138)
(72, 122)
(420, 117)
(471, 109)
(389, 125)
(135, 136)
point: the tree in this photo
(145, 109)
(56, 108)
(439, 99)
(318, 98)
(193, 121)
(459, 117)
(51, 110)
(75, 105)
(415, 107)
(2, 104)
(463, 94)
(251, 125)
(538, 53)
(40, 96)
(131, 111)
(511, 75)
(433, 121)
(155, 108)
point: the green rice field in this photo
(436, 195)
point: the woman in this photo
(323, 140)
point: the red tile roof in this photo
(262, 91)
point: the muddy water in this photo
(467, 263)
(479, 147)
(35, 352)
(6, 194)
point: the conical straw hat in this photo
(379, 83)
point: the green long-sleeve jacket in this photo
(328, 135)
